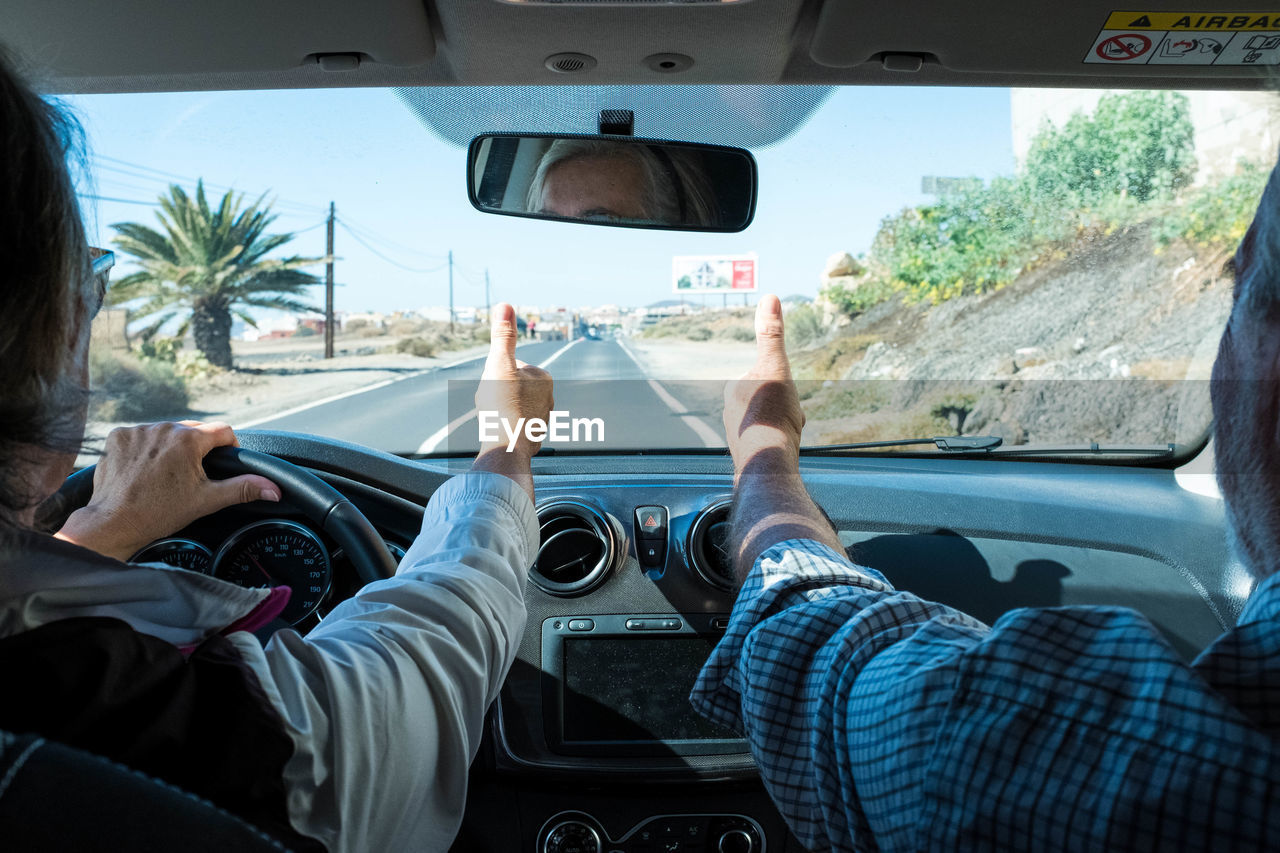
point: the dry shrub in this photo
(127, 389)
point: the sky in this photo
(401, 200)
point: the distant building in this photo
(375, 319)
(1229, 126)
(283, 326)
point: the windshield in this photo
(1042, 266)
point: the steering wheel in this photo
(321, 503)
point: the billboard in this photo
(714, 274)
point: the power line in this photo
(388, 243)
(391, 261)
(466, 275)
(160, 176)
(118, 200)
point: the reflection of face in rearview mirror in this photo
(602, 181)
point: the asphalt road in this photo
(434, 411)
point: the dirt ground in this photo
(275, 376)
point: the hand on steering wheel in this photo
(150, 484)
(323, 505)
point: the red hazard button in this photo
(651, 522)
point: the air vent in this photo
(577, 548)
(570, 63)
(709, 548)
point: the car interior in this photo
(592, 745)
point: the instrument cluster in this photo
(269, 553)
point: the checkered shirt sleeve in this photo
(881, 721)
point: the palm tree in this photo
(208, 264)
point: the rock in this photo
(1078, 346)
(1011, 432)
(987, 409)
(1004, 366)
(1024, 357)
(841, 264)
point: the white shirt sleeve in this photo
(385, 699)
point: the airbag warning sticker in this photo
(1188, 38)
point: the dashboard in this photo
(244, 548)
(591, 746)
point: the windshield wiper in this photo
(991, 444)
(943, 442)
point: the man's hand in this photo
(762, 409)
(1246, 393)
(514, 390)
(149, 484)
(762, 422)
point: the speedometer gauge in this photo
(183, 553)
(278, 553)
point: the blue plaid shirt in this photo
(881, 721)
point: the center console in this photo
(579, 832)
(617, 686)
(594, 744)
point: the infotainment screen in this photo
(634, 689)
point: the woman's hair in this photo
(676, 189)
(44, 273)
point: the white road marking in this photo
(296, 409)
(559, 353)
(433, 441)
(353, 392)
(710, 438)
(441, 434)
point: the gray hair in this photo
(671, 176)
(43, 287)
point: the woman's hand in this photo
(149, 484)
(516, 392)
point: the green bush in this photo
(304, 332)
(1139, 145)
(854, 300)
(161, 349)
(420, 347)
(804, 326)
(741, 334)
(194, 365)
(699, 333)
(128, 389)
(967, 242)
(1096, 171)
(1216, 216)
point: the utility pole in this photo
(487, 307)
(451, 291)
(328, 286)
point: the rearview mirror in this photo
(602, 180)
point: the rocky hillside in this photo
(1109, 341)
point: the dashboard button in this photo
(650, 552)
(653, 624)
(651, 522)
(581, 625)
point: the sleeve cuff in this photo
(790, 573)
(482, 493)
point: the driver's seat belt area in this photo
(200, 722)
